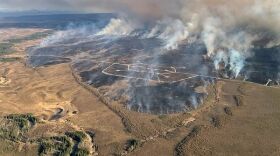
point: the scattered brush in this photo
(217, 121)
(35, 36)
(228, 111)
(132, 144)
(14, 126)
(58, 145)
(179, 150)
(78, 136)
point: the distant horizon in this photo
(37, 13)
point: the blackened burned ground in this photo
(264, 65)
(157, 90)
(147, 73)
(165, 98)
(136, 73)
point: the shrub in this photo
(81, 152)
(228, 111)
(131, 144)
(77, 135)
(58, 146)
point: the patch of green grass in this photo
(58, 146)
(80, 152)
(62, 145)
(35, 36)
(5, 48)
(14, 126)
(10, 133)
(21, 119)
(11, 59)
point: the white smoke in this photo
(211, 34)
(228, 26)
(227, 46)
(118, 27)
(173, 32)
(72, 31)
(193, 100)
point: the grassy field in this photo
(5, 48)
(10, 59)
(35, 36)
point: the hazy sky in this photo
(142, 6)
(55, 5)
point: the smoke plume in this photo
(229, 29)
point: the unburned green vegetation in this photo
(76, 135)
(58, 146)
(13, 127)
(35, 36)
(10, 59)
(5, 48)
(81, 152)
(7, 45)
(68, 144)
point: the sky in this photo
(92, 6)
(54, 5)
(257, 12)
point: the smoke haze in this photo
(229, 29)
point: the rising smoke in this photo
(229, 29)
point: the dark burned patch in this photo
(263, 65)
(97, 79)
(98, 62)
(165, 98)
(58, 114)
(37, 61)
(84, 65)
